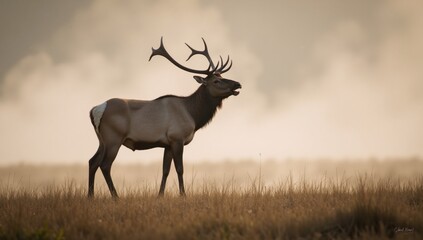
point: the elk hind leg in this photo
(106, 166)
(93, 165)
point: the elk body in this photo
(169, 122)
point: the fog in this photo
(320, 80)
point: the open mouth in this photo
(234, 92)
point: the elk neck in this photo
(202, 106)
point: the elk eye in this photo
(216, 81)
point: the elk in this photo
(169, 121)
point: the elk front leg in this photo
(167, 160)
(177, 152)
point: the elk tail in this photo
(96, 114)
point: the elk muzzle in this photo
(236, 86)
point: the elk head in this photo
(216, 85)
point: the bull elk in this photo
(169, 121)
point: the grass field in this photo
(232, 200)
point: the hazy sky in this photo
(320, 78)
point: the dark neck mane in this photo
(202, 106)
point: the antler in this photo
(222, 69)
(210, 70)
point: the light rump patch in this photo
(97, 113)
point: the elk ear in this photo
(200, 80)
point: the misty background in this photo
(321, 79)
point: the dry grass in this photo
(364, 206)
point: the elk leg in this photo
(106, 166)
(167, 160)
(93, 165)
(177, 151)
